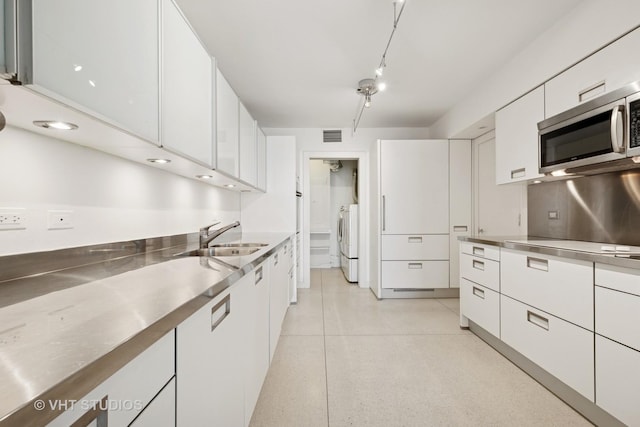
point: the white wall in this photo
(274, 210)
(587, 28)
(112, 199)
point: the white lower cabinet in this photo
(278, 297)
(256, 337)
(208, 367)
(161, 412)
(618, 380)
(480, 305)
(125, 394)
(556, 285)
(480, 270)
(415, 274)
(559, 347)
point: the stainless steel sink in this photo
(226, 249)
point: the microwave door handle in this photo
(617, 131)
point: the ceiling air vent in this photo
(332, 135)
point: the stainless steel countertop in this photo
(62, 344)
(538, 245)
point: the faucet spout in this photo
(206, 237)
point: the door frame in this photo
(363, 212)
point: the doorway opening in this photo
(335, 188)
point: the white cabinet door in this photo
(481, 305)
(262, 161)
(618, 380)
(415, 186)
(123, 396)
(517, 138)
(227, 122)
(100, 57)
(459, 202)
(256, 337)
(248, 147)
(278, 298)
(187, 102)
(208, 365)
(161, 412)
(561, 348)
(604, 71)
(415, 274)
(556, 285)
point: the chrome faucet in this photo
(206, 237)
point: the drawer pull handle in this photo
(478, 251)
(415, 265)
(538, 320)
(518, 173)
(415, 239)
(460, 228)
(591, 91)
(478, 292)
(538, 264)
(258, 275)
(220, 311)
(478, 265)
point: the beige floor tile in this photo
(451, 303)
(433, 380)
(294, 392)
(305, 317)
(363, 314)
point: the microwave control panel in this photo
(634, 124)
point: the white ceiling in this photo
(297, 63)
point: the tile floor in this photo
(347, 359)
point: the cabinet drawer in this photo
(137, 382)
(481, 305)
(618, 278)
(558, 286)
(618, 380)
(618, 316)
(485, 272)
(482, 251)
(562, 349)
(415, 274)
(419, 247)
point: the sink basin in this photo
(226, 249)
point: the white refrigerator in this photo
(348, 240)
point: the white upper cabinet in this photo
(415, 186)
(262, 160)
(100, 57)
(187, 89)
(517, 138)
(248, 147)
(227, 124)
(604, 71)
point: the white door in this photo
(415, 186)
(500, 209)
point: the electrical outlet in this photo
(12, 219)
(59, 220)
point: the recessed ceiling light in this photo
(55, 124)
(92, 83)
(77, 67)
(161, 161)
(204, 176)
(230, 185)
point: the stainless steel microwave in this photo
(603, 130)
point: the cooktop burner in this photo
(590, 247)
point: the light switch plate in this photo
(59, 220)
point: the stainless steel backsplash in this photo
(598, 208)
